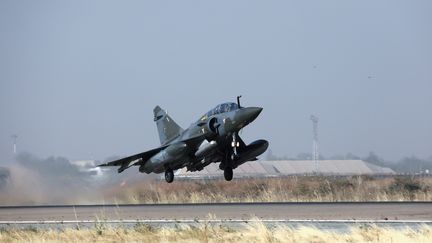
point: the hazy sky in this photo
(80, 78)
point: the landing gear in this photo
(228, 173)
(234, 144)
(169, 175)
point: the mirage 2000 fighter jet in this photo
(213, 138)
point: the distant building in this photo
(280, 168)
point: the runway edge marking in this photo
(214, 221)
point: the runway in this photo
(339, 211)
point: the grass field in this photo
(253, 232)
(287, 189)
(290, 189)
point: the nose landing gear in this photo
(234, 144)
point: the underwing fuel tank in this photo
(157, 163)
(206, 148)
(251, 151)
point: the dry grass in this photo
(292, 189)
(253, 232)
(289, 189)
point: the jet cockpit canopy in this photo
(222, 108)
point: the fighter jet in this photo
(213, 138)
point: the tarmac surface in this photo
(374, 211)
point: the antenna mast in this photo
(315, 154)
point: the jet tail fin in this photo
(168, 129)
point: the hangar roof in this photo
(294, 167)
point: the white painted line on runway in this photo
(165, 221)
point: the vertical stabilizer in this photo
(168, 129)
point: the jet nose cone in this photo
(254, 112)
(249, 114)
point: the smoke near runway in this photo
(30, 180)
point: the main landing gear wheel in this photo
(228, 173)
(169, 175)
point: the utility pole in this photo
(315, 154)
(14, 137)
